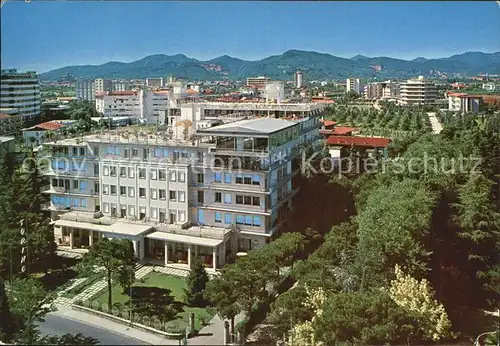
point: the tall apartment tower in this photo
(102, 85)
(298, 79)
(418, 91)
(20, 93)
(355, 84)
(85, 90)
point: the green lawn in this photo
(156, 291)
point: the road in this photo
(58, 325)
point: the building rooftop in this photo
(256, 126)
(4, 139)
(47, 126)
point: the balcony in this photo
(74, 192)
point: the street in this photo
(58, 325)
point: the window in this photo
(201, 197)
(105, 207)
(182, 216)
(105, 189)
(158, 152)
(83, 203)
(131, 210)
(154, 213)
(82, 151)
(142, 173)
(105, 170)
(172, 195)
(95, 151)
(75, 151)
(201, 216)
(256, 201)
(182, 196)
(240, 219)
(123, 172)
(135, 152)
(200, 178)
(256, 220)
(182, 177)
(217, 177)
(248, 220)
(113, 190)
(126, 153)
(154, 174)
(163, 194)
(239, 199)
(113, 209)
(96, 187)
(75, 184)
(162, 215)
(218, 197)
(131, 191)
(162, 175)
(96, 169)
(227, 198)
(228, 218)
(112, 171)
(172, 175)
(123, 191)
(256, 180)
(144, 153)
(131, 171)
(248, 200)
(227, 178)
(218, 217)
(142, 192)
(247, 180)
(154, 193)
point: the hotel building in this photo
(20, 93)
(418, 91)
(224, 191)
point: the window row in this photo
(70, 184)
(248, 179)
(130, 191)
(154, 174)
(69, 202)
(157, 214)
(229, 218)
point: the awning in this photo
(116, 228)
(186, 239)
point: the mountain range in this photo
(314, 65)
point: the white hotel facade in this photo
(224, 192)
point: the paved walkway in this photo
(436, 125)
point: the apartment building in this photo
(355, 84)
(102, 85)
(85, 90)
(464, 103)
(258, 82)
(418, 91)
(381, 90)
(144, 106)
(120, 85)
(274, 90)
(225, 192)
(154, 82)
(298, 79)
(20, 93)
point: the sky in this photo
(44, 35)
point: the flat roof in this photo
(186, 239)
(262, 126)
(116, 228)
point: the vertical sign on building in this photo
(24, 247)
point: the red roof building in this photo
(362, 142)
(47, 126)
(343, 131)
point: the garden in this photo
(158, 301)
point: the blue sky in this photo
(48, 35)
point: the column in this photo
(71, 238)
(214, 257)
(135, 247)
(166, 253)
(91, 239)
(189, 255)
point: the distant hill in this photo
(314, 65)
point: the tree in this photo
(113, 255)
(195, 285)
(67, 339)
(6, 327)
(417, 297)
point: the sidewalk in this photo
(436, 125)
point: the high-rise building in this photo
(355, 84)
(20, 93)
(224, 192)
(382, 90)
(102, 85)
(258, 82)
(418, 91)
(85, 90)
(298, 79)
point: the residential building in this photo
(227, 191)
(258, 82)
(418, 91)
(489, 86)
(373, 91)
(85, 90)
(120, 85)
(298, 79)
(274, 90)
(44, 132)
(102, 85)
(464, 103)
(154, 82)
(355, 84)
(382, 90)
(20, 92)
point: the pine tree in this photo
(5, 315)
(196, 282)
